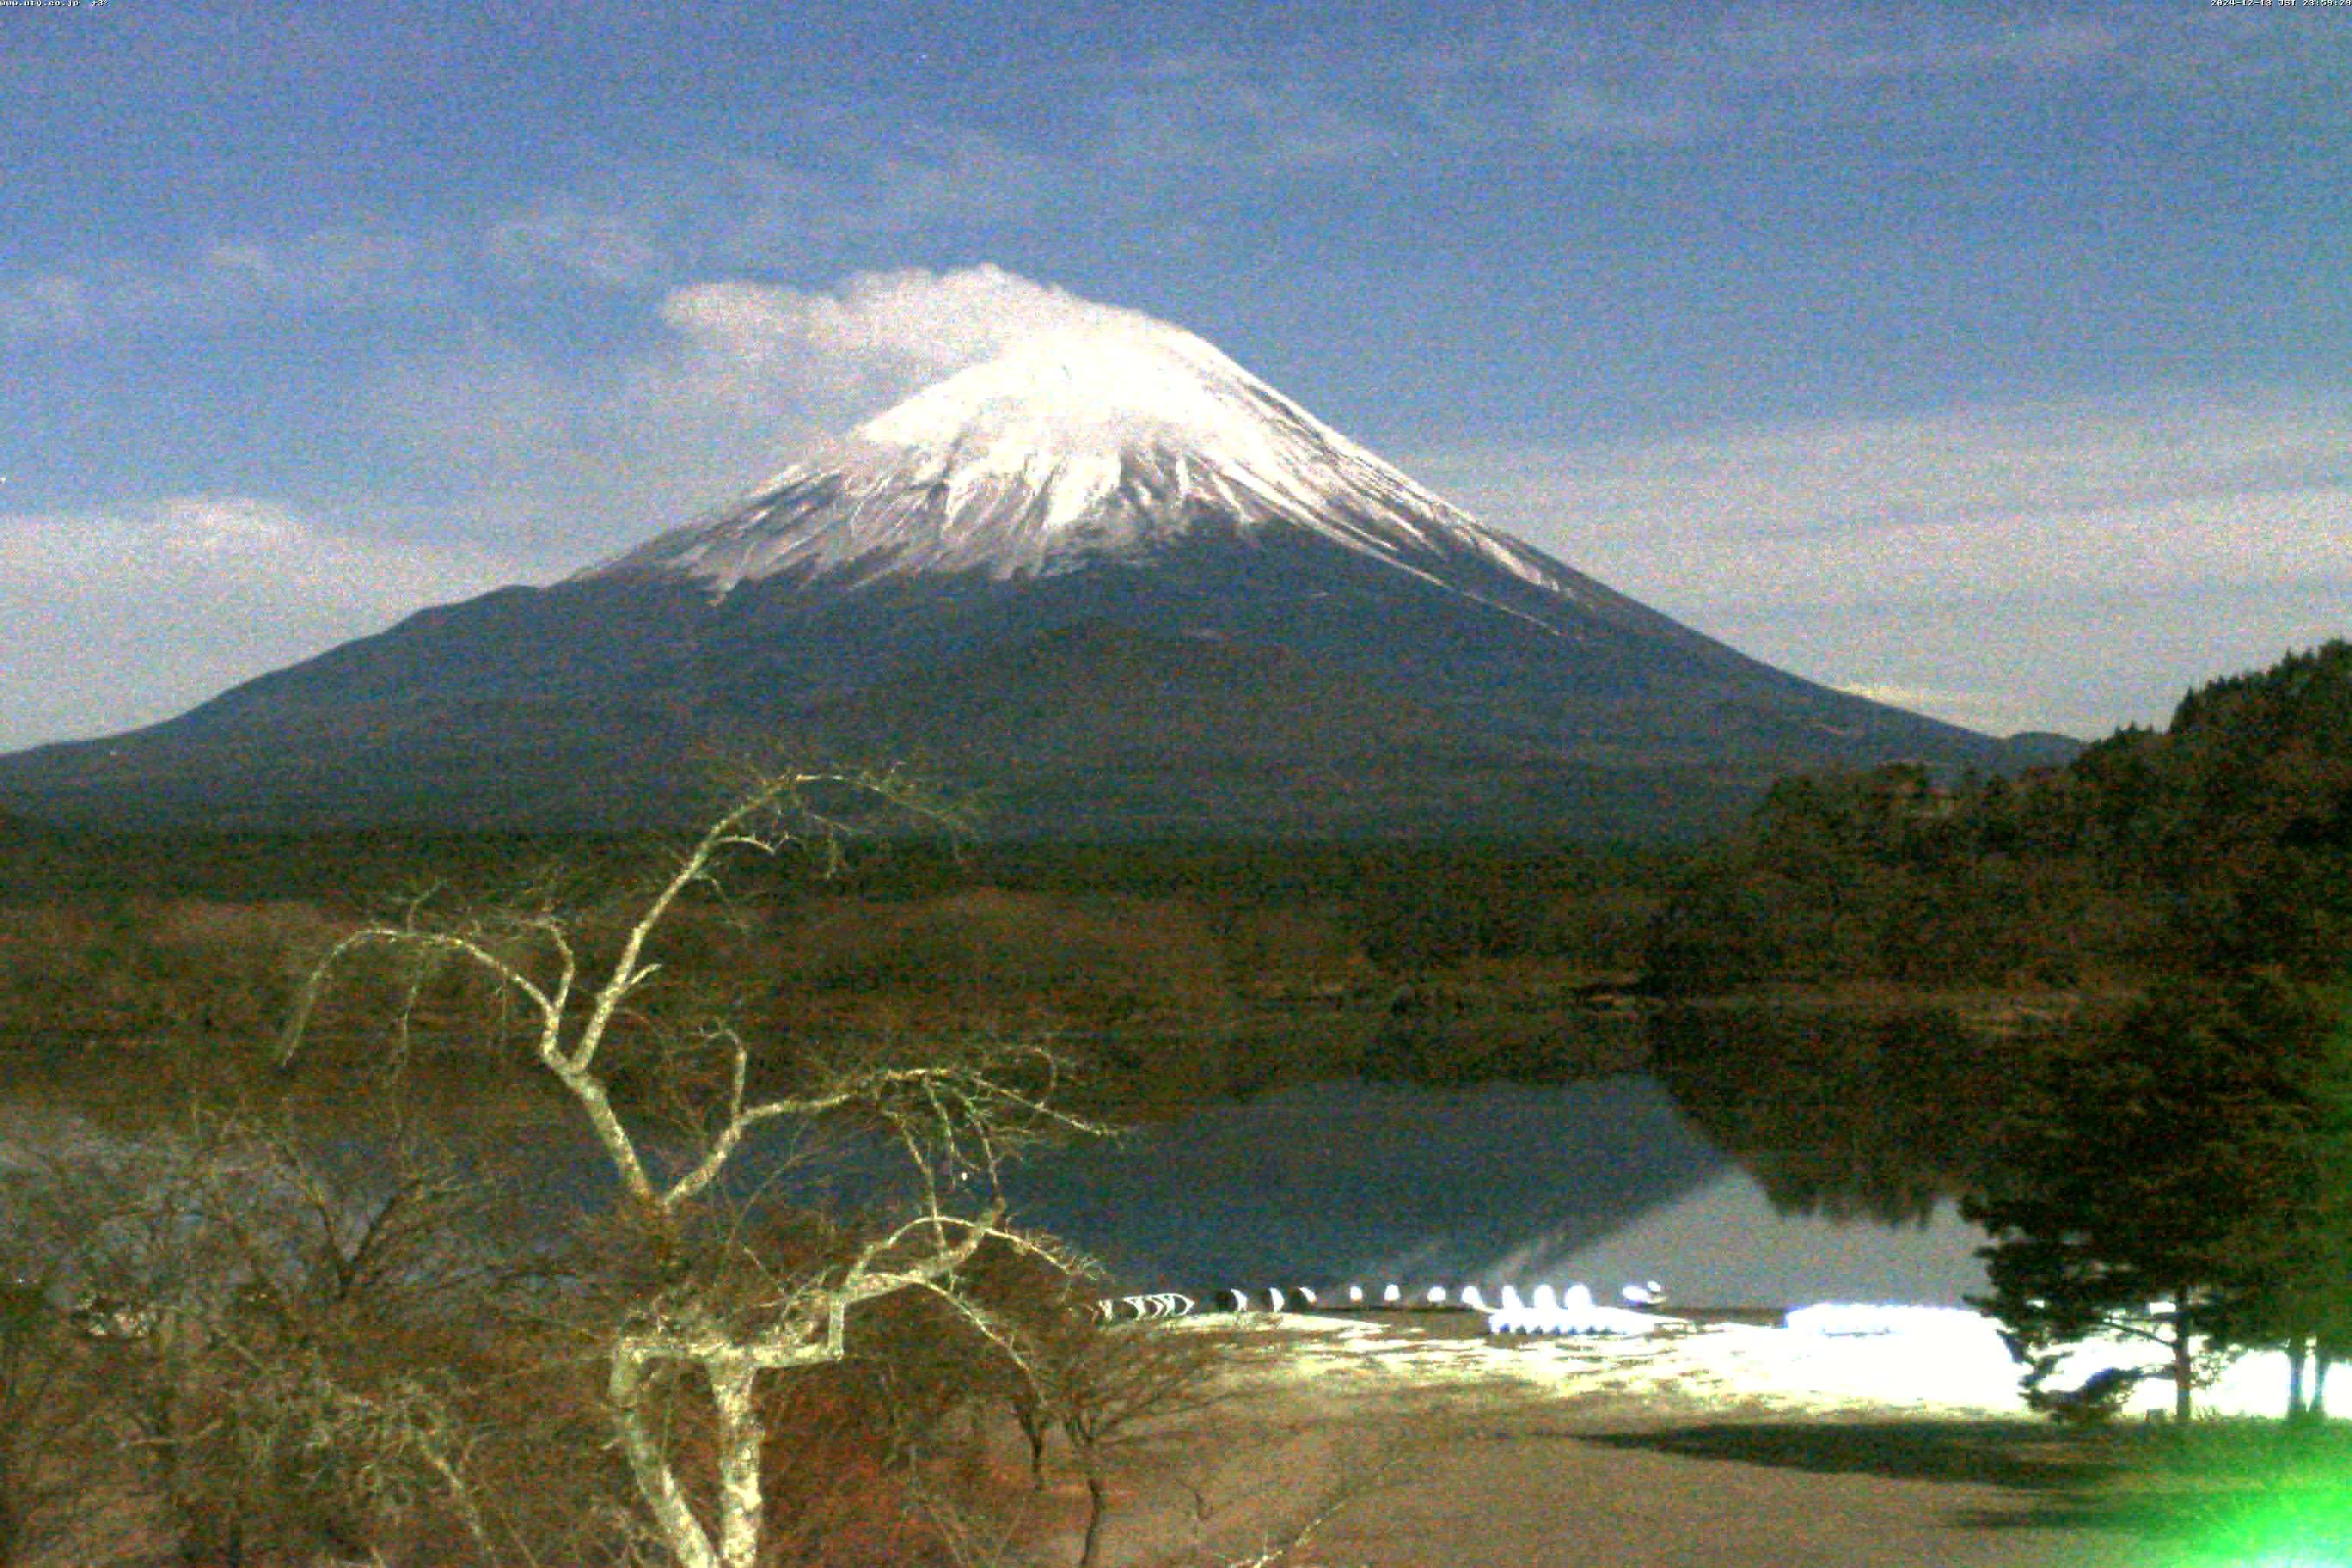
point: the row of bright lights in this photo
(1548, 1311)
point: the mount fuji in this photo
(1102, 446)
(1108, 576)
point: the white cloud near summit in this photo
(880, 333)
(566, 463)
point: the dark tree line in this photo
(2215, 844)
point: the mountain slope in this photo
(1111, 557)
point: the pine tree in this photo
(2157, 1164)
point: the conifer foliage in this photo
(2186, 1173)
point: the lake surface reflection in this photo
(1602, 1181)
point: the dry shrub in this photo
(231, 968)
(47, 928)
(47, 1403)
(1008, 955)
(1295, 952)
(59, 978)
(835, 1498)
(153, 969)
(311, 1355)
(874, 1461)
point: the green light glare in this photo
(2301, 1528)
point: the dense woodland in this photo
(1183, 972)
(2218, 841)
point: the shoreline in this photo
(1398, 1445)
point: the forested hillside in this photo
(2221, 840)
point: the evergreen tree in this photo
(2155, 1165)
(2294, 1242)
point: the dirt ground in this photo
(1420, 1443)
(1418, 1452)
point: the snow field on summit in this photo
(1089, 443)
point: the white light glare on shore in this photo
(1843, 1318)
(1575, 1313)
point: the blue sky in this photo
(1991, 361)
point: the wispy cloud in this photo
(338, 268)
(658, 223)
(140, 612)
(728, 379)
(1848, 548)
(1791, 42)
(1572, 84)
(567, 235)
(1197, 109)
(1671, 80)
(1603, 114)
(46, 305)
(177, 546)
(1171, 129)
(1960, 486)
(921, 179)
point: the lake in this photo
(1602, 1181)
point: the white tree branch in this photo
(951, 1118)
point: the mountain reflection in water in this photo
(1749, 1172)
(1602, 1180)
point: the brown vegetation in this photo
(1170, 976)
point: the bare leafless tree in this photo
(245, 1317)
(712, 1309)
(1107, 1385)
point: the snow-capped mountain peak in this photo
(1098, 441)
(1093, 390)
